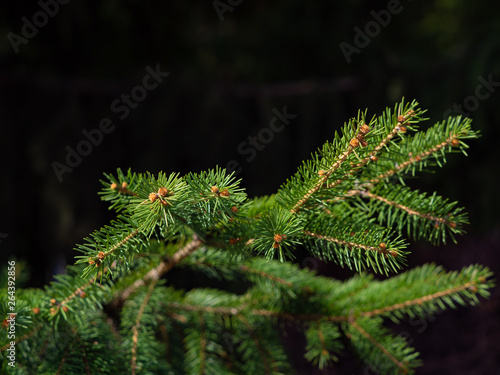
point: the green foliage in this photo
(119, 310)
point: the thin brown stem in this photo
(322, 340)
(62, 362)
(80, 292)
(122, 242)
(155, 273)
(123, 189)
(386, 352)
(257, 343)
(376, 150)
(135, 328)
(267, 276)
(417, 301)
(209, 309)
(232, 311)
(346, 243)
(412, 160)
(22, 338)
(408, 210)
(322, 180)
(203, 345)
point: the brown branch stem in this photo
(417, 301)
(135, 328)
(386, 352)
(122, 242)
(345, 243)
(412, 160)
(332, 318)
(322, 180)
(267, 276)
(408, 210)
(386, 140)
(155, 273)
(256, 342)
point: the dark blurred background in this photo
(64, 68)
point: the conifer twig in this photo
(386, 352)
(103, 255)
(267, 276)
(402, 120)
(123, 189)
(62, 362)
(203, 344)
(322, 180)
(22, 338)
(135, 328)
(413, 159)
(155, 273)
(408, 210)
(347, 243)
(80, 290)
(418, 301)
(98, 259)
(322, 339)
(257, 343)
(331, 318)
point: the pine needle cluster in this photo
(117, 310)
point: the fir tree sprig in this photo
(381, 350)
(423, 150)
(118, 310)
(430, 217)
(154, 274)
(360, 141)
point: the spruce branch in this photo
(135, 328)
(323, 177)
(267, 276)
(452, 287)
(408, 210)
(412, 160)
(323, 343)
(355, 242)
(98, 260)
(400, 358)
(113, 312)
(424, 296)
(26, 336)
(154, 274)
(403, 121)
(377, 257)
(425, 149)
(120, 189)
(430, 217)
(258, 344)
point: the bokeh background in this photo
(229, 66)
